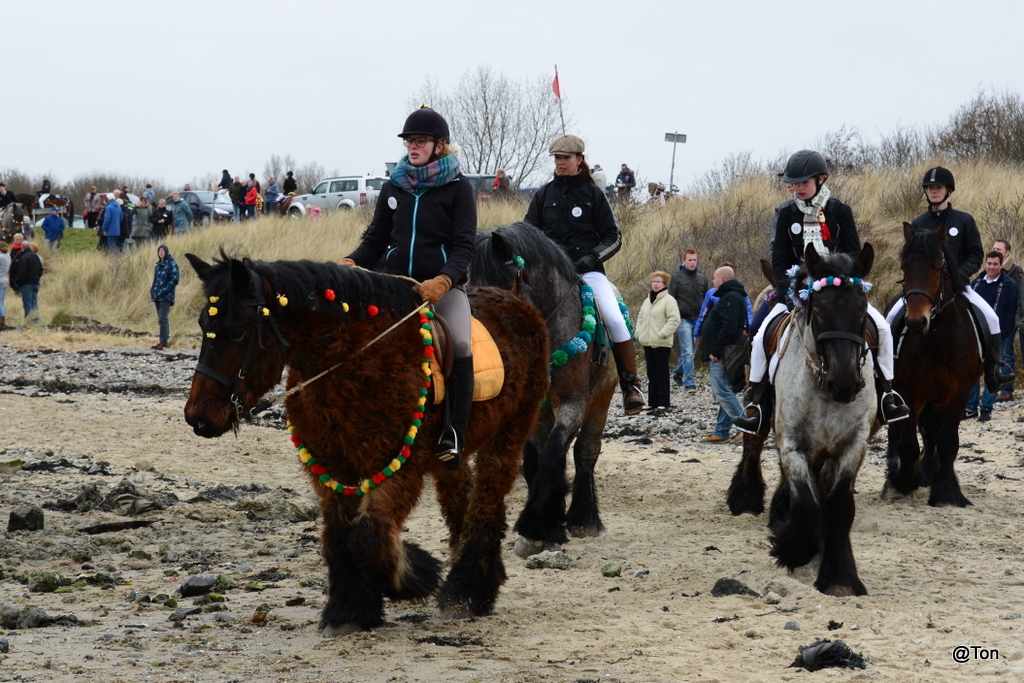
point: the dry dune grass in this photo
(732, 224)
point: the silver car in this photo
(343, 193)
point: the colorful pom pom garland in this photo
(581, 341)
(407, 441)
(800, 294)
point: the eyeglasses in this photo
(657, 282)
(416, 142)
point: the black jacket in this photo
(225, 182)
(160, 229)
(7, 198)
(290, 185)
(422, 236)
(788, 236)
(725, 323)
(1001, 295)
(26, 269)
(688, 288)
(963, 237)
(575, 214)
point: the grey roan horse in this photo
(824, 415)
(578, 396)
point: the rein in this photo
(937, 306)
(233, 384)
(815, 362)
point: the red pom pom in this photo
(379, 478)
(329, 294)
(428, 351)
(417, 416)
(372, 310)
(406, 451)
(296, 439)
(318, 469)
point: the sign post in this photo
(674, 138)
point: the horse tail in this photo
(796, 525)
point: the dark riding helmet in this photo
(939, 176)
(803, 165)
(425, 121)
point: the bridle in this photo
(234, 384)
(817, 363)
(521, 285)
(939, 302)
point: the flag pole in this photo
(558, 98)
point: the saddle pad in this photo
(488, 370)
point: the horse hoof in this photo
(341, 629)
(890, 493)
(526, 547)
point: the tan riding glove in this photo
(346, 262)
(433, 289)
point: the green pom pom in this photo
(417, 423)
(400, 458)
(430, 315)
(559, 357)
(408, 440)
(423, 392)
(359, 492)
(546, 403)
(325, 478)
(387, 471)
(427, 341)
(311, 462)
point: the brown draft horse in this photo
(937, 363)
(260, 317)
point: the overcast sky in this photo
(177, 90)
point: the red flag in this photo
(558, 91)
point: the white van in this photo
(343, 193)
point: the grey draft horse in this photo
(578, 395)
(825, 413)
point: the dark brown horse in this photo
(937, 363)
(355, 421)
(66, 206)
(580, 392)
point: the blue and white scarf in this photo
(419, 179)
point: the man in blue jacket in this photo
(53, 229)
(111, 228)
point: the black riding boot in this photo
(891, 405)
(997, 373)
(625, 361)
(757, 414)
(458, 398)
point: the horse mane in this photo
(924, 244)
(306, 282)
(521, 239)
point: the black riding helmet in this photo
(939, 176)
(425, 121)
(804, 165)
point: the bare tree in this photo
(497, 122)
(277, 166)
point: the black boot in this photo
(891, 406)
(997, 373)
(625, 361)
(757, 414)
(458, 398)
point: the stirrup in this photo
(900, 410)
(751, 424)
(450, 455)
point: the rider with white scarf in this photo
(813, 216)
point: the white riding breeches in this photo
(972, 296)
(759, 362)
(608, 305)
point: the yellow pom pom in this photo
(213, 310)
(412, 432)
(365, 486)
(344, 306)
(214, 299)
(211, 335)
(395, 465)
(282, 299)
(266, 312)
(427, 372)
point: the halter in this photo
(234, 384)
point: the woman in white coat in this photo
(655, 330)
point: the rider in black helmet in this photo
(964, 241)
(812, 216)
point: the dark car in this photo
(483, 184)
(205, 205)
